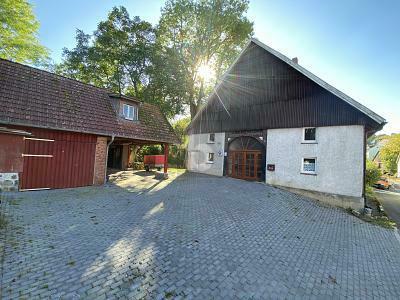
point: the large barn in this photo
(56, 132)
(271, 120)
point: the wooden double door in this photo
(245, 164)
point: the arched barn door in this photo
(246, 158)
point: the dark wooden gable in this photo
(261, 91)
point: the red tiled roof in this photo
(37, 98)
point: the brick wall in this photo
(100, 161)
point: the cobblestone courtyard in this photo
(192, 236)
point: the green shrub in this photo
(372, 173)
(389, 153)
(177, 156)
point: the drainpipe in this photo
(108, 146)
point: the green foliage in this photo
(160, 65)
(372, 173)
(390, 152)
(180, 127)
(115, 56)
(192, 33)
(3, 222)
(177, 153)
(18, 33)
(148, 150)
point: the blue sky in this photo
(353, 45)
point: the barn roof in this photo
(322, 83)
(37, 98)
(281, 89)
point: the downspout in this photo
(108, 146)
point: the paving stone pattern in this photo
(191, 237)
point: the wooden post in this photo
(129, 156)
(165, 160)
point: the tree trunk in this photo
(193, 109)
(195, 105)
(135, 87)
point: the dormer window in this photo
(129, 112)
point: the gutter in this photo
(108, 146)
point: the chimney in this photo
(295, 60)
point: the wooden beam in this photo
(166, 148)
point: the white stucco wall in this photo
(198, 149)
(339, 153)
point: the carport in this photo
(121, 156)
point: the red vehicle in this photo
(382, 184)
(153, 161)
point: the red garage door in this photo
(55, 159)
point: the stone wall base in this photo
(356, 203)
(9, 182)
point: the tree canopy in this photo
(18, 33)
(390, 152)
(200, 37)
(115, 56)
(174, 65)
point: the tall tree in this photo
(18, 33)
(202, 37)
(390, 152)
(116, 56)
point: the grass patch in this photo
(383, 222)
(14, 202)
(169, 295)
(71, 263)
(369, 192)
(3, 222)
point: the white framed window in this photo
(211, 138)
(309, 135)
(210, 158)
(127, 111)
(309, 165)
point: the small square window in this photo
(210, 157)
(309, 135)
(211, 138)
(309, 166)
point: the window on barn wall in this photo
(210, 157)
(309, 135)
(130, 112)
(211, 138)
(309, 166)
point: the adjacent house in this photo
(374, 150)
(56, 132)
(269, 119)
(373, 154)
